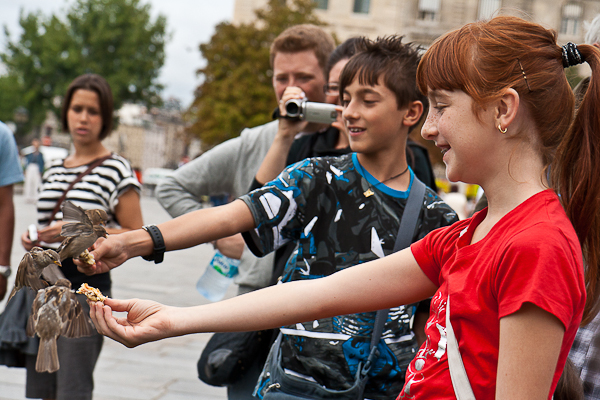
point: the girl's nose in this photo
(429, 129)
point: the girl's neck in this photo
(84, 154)
(505, 192)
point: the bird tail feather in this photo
(47, 358)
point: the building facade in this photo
(422, 21)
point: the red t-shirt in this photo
(531, 255)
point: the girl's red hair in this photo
(484, 59)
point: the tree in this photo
(114, 38)
(236, 91)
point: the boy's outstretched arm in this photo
(189, 230)
(383, 283)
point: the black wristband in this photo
(158, 252)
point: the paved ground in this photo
(164, 370)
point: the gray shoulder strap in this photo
(410, 216)
(406, 231)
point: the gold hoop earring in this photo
(503, 131)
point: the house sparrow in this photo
(76, 246)
(56, 311)
(82, 234)
(31, 267)
(71, 212)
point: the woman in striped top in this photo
(111, 186)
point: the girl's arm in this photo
(128, 212)
(383, 283)
(530, 343)
(189, 230)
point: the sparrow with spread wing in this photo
(72, 212)
(56, 311)
(82, 234)
(31, 267)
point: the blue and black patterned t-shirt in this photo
(325, 205)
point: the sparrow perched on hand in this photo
(80, 235)
(31, 267)
(56, 311)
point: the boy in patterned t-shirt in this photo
(341, 211)
(346, 210)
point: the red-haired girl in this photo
(502, 114)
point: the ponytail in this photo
(576, 177)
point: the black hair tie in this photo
(571, 55)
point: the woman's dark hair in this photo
(96, 84)
(342, 52)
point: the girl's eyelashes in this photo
(439, 106)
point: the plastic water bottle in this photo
(215, 281)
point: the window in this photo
(361, 6)
(429, 9)
(487, 8)
(571, 19)
(321, 4)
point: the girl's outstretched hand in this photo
(146, 320)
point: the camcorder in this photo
(304, 110)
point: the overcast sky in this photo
(190, 23)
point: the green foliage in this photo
(237, 91)
(114, 38)
(9, 89)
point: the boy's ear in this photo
(507, 107)
(413, 113)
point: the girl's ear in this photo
(413, 113)
(507, 108)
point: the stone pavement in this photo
(163, 370)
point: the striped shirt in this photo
(100, 188)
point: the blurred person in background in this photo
(10, 173)
(111, 185)
(34, 168)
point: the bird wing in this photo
(38, 302)
(76, 322)
(71, 212)
(75, 229)
(28, 274)
(74, 246)
(26, 261)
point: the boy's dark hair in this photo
(94, 83)
(344, 51)
(390, 59)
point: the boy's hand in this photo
(108, 253)
(146, 320)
